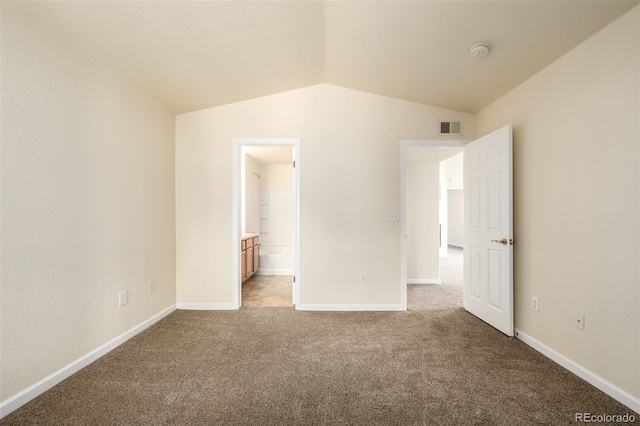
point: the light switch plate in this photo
(578, 320)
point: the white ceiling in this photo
(191, 55)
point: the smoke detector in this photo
(480, 50)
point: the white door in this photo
(488, 229)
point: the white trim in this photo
(368, 308)
(423, 281)
(40, 387)
(236, 230)
(207, 306)
(403, 202)
(604, 385)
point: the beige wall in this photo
(453, 171)
(453, 178)
(455, 217)
(350, 175)
(576, 162)
(423, 221)
(87, 205)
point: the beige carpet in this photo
(275, 366)
(451, 266)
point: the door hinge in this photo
(294, 164)
(294, 278)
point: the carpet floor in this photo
(434, 364)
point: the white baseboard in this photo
(207, 306)
(37, 389)
(369, 308)
(605, 386)
(423, 281)
(274, 272)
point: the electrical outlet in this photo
(578, 320)
(535, 304)
(122, 298)
(152, 286)
(363, 278)
(392, 217)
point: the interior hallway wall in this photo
(453, 185)
(423, 222)
(455, 215)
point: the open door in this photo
(488, 229)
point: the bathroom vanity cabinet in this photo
(250, 255)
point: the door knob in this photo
(503, 241)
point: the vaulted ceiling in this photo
(191, 55)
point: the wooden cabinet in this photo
(243, 270)
(250, 269)
(250, 256)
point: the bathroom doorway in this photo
(266, 193)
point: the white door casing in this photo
(295, 294)
(488, 229)
(404, 146)
(236, 207)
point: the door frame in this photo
(430, 143)
(238, 144)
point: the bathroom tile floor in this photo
(267, 290)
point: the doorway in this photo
(488, 226)
(428, 170)
(451, 218)
(266, 191)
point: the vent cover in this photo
(450, 127)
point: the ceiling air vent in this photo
(450, 127)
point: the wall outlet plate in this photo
(392, 217)
(122, 298)
(535, 304)
(363, 278)
(152, 286)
